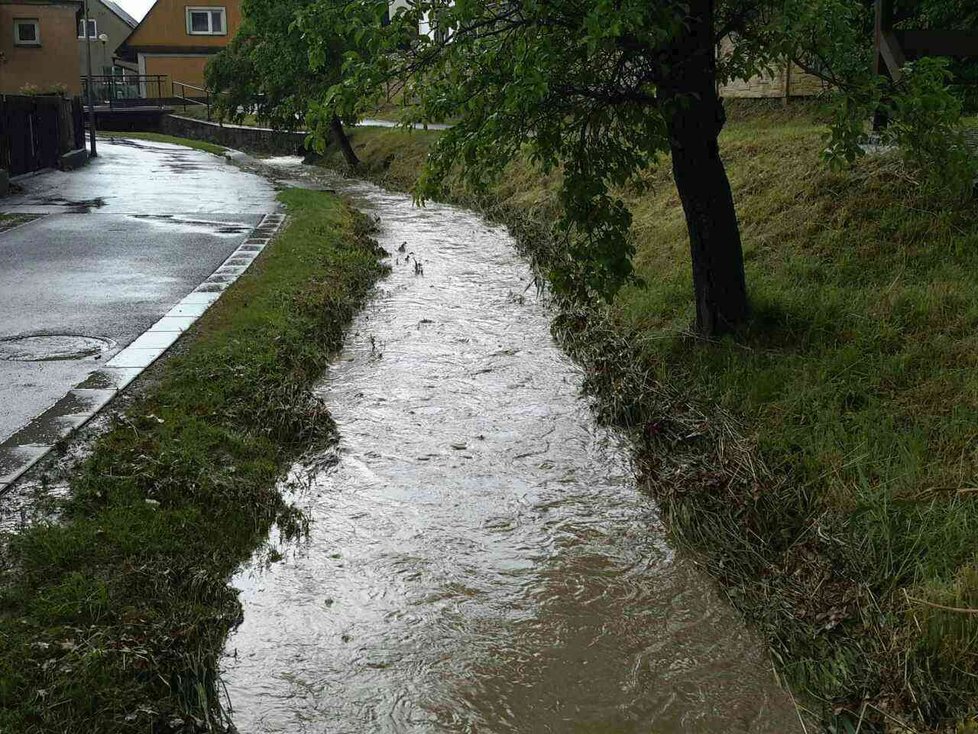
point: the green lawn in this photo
(113, 619)
(161, 138)
(829, 482)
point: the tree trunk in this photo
(339, 135)
(695, 117)
(714, 235)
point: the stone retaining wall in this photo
(788, 82)
(782, 81)
(253, 139)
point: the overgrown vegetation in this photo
(823, 462)
(113, 618)
(161, 138)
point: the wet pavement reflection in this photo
(480, 559)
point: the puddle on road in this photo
(53, 347)
(480, 558)
(195, 224)
(73, 206)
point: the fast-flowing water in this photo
(480, 559)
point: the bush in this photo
(926, 125)
(923, 116)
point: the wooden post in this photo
(884, 25)
(888, 59)
(787, 81)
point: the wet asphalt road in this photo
(123, 241)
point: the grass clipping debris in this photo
(113, 618)
(822, 464)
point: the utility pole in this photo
(90, 85)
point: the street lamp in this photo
(104, 39)
(110, 83)
(91, 97)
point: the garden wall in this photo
(253, 139)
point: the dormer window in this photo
(207, 21)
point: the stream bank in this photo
(756, 447)
(115, 605)
(811, 463)
(479, 557)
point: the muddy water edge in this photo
(481, 558)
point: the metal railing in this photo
(202, 99)
(128, 90)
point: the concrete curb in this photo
(73, 159)
(37, 439)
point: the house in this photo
(105, 19)
(38, 46)
(177, 38)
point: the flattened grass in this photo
(113, 619)
(851, 537)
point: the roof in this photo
(126, 18)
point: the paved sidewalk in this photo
(125, 240)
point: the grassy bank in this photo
(113, 619)
(823, 463)
(161, 138)
(9, 221)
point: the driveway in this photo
(121, 242)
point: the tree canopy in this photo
(271, 70)
(601, 90)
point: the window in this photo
(206, 22)
(92, 28)
(27, 32)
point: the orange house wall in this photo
(186, 69)
(52, 64)
(165, 26)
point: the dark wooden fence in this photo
(35, 132)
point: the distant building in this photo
(105, 18)
(424, 23)
(38, 46)
(782, 82)
(177, 38)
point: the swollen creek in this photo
(480, 557)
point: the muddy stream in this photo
(480, 558)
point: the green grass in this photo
(161, 138)
(9, 221)
(112, 620)
(822, 464)
(856, 381)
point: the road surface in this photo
(120, 242)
